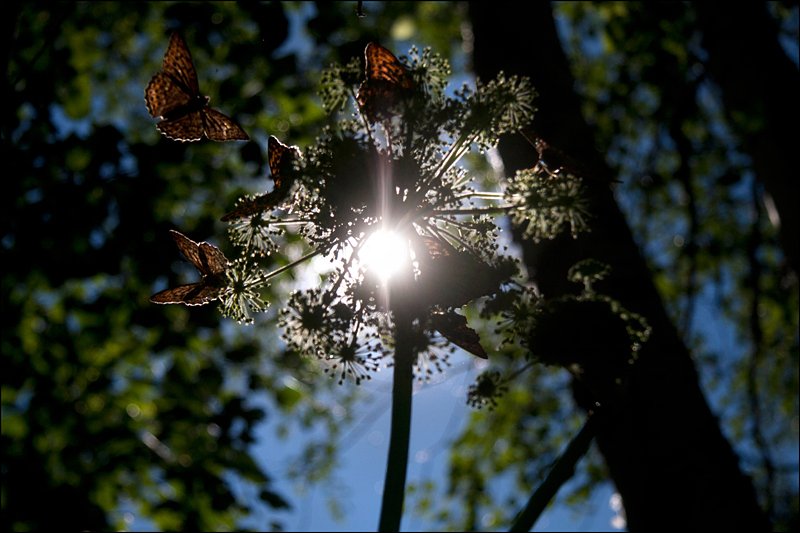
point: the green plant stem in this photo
(397, 461)
(500, 210)
(292, 264)
(457, 150)
(289, 222)
(558, 475)
(482, 194)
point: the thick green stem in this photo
(397, 462)
(558, 475)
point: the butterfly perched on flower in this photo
(453, 278)
(280, 159)
(174, 95)
(387, 83)
(210, 262)
(450, 278)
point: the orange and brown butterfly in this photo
(454, 328)
(280, 159)
(387, 83)
(210, 262)
(174, 95)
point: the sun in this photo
(384, 253)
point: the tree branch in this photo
(558, 475)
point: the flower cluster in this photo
(488, 387)
(548, 204)
(393, 167)
(243, 294)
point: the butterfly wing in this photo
(192, 294)
(381, 64)
(178, 65)
(188, 127)
(454, 328)
(214, 261)
(452, 278)
(188, 248)
(436, 248)
(280, 157)
(174, 94)
(248, 208)
(163, 95)
(219, 127)
(176, 86)
(207, 258)
(386, 83)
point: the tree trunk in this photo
(663, 446)
(756, 78)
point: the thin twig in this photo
(757, 429)
(292, 264)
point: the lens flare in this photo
(384, 253)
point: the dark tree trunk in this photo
(663, 446)
(759, 89)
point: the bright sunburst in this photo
(384, 253)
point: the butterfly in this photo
(280, 159)
(453, 278)
(211, 263)
(386, 83)
(454, 328)
(174, 95)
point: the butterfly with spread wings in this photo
(387, 84)
(210, 262)
(280, 159)
(174, 95)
